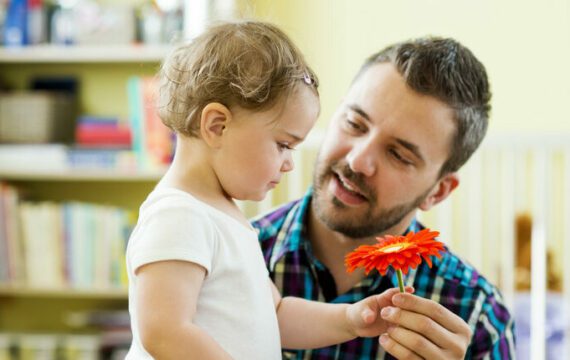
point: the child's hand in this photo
(364, 316)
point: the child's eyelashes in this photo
(282, 146)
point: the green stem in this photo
(400, 280)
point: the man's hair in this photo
(249, 64)
(448, 71)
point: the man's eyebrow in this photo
(357, 109)
(412, 147)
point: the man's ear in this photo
(441, 191)
(213, 121)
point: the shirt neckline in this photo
(249, 227)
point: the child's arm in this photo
(306, 324)
(167, 295)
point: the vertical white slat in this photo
(444, 221)
(538, 259)
(566, 247)
(521, 174)
(472, 209)
(490, 215)
(507, 225)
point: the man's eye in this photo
(400, 158)
(353, 125)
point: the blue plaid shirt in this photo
(451, 282)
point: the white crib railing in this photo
(508, 175)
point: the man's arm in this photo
(494, 331)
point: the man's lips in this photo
(345, 191)
(349, 185)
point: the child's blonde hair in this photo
(249, 64)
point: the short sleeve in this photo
(173, 230)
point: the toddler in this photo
(239, 97)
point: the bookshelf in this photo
(103, 73)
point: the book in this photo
(94, 131)
(153, 142)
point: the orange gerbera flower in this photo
(400, 252)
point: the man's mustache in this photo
(355, 178)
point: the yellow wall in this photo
(525, 46)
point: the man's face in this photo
(382, 154)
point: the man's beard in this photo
(373, 222)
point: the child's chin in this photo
(253, 197)
(260, 197)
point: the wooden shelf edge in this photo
(82, 175)
(25, 291)
(84, 53)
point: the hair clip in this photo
(308, 79)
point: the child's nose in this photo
(288, 164)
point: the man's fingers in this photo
(412, 340)
(396, 349)
(433, 310)
(419, 324)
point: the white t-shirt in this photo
(235, 305)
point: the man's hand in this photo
(423, 329)
(364, 316)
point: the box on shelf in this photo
(36, 117)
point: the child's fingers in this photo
(385, 299)
(372, 308)
(369, 316)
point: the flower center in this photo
(393, 248)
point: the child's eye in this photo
(284, 146)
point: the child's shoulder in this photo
(170, 200)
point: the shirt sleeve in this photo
(493, 337)
(173, 231)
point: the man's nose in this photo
(362, 158)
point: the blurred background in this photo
(81, 146)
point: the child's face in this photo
(257, 146)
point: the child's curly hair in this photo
(249, 64)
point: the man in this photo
(413, 115)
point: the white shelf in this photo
(82, 175)
(84, 54)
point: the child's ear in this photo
(213, 121)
